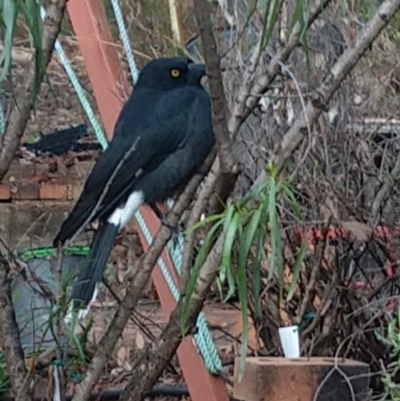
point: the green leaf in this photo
(31, 12)
(271, 22)
(297, 16)
(291, 199)
(242, 289)
(276, 264)
(9, 18)
(296, 270)
(230, 237)
(203, 222)
(215, 230)
(230, 210)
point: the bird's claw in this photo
(175, 229)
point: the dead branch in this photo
(228, 169)
(157, 355)
(249, 93)
(24, 103)
(384, 192)
(322, 95)
(142, 272)
(10, 341)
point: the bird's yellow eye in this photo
(175, 73)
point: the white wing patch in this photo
(124, 214)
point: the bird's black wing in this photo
(163, 175)
(154, 143)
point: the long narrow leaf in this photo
(31, 12)
(242, 290)
(196, 270)
(204, 222)
(230, 210)
(276, 6)
(296, 270)
(231, 235)
(9, 17)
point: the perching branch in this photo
(142, 272)
(10, 340)
(24, 103)
(228, 169)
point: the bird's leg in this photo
(163, 217)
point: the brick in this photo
(25, 191)
(53, 192)
(281, 379)
(5, 192)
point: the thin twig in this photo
(10, 339)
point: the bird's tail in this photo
(84, 291)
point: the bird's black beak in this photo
(197, 70)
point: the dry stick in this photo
(384, 192)
(322, 95)
(314, 273)
(142, 274)
(24, 103)
(156, 356)
(250, 92)
(10, 340)
(228, 168)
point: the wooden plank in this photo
(94, 38)
(109, 82)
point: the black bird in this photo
(161, 138)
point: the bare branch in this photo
(10, 340)
(228, 169)
(322, 95)
(384, 192)
(217, 94)
(249, 93)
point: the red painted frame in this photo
(110, 88)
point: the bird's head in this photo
(170, 73)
